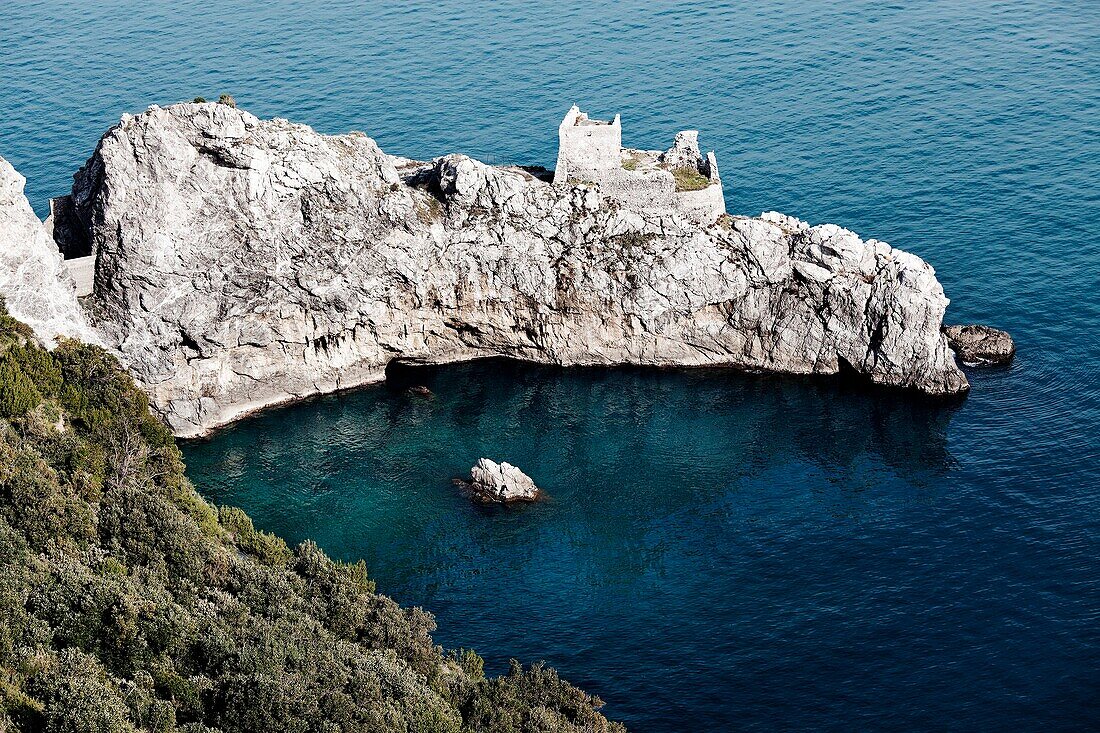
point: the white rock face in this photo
(684, 152)
(500, 482)
(33, 280)
(244, 262)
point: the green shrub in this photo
(227, 100)
(11, 329)
(39, 367)
(128, 603)
(199, 100)
(469, 662)
(18, 394)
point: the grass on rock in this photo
(689, 179)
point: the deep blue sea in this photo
(719, 552)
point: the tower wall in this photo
(590, 151)
(587, 146)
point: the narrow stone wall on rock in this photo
(81, 271)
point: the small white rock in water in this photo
(500, 482)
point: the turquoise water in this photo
(718, 552)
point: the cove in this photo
(717, 550)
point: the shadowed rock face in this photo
(244, 262)
(33, 280)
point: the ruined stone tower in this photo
(587, 146)
(679, 180)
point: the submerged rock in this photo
(500, 483)
(243, 262)
(978, 345)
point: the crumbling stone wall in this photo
(707, 204)
(590, 151)
(640, 190)
(587, 147)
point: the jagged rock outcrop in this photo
(243, 262)
(980, 345)
(684, 152)
(33, 280)
(500, 483)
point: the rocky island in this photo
(240, 263)
(499, 483)
(978, 345)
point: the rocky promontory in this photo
(241, 263)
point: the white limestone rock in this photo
(33, 280)
(500, 483)
(244, 262)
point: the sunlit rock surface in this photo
(500, 483)
(242, 263)
(33, 280)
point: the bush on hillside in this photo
(128, 603)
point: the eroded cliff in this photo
(243, 262)
(33, 280)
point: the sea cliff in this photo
(240, 263)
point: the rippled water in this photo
(719, 551)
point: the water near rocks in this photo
(717, 551)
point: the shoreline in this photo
(275, 263)
(859, 383)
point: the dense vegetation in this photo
(128, 603)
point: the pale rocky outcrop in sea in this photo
(33, 280)
(500, 483)
(241, 263)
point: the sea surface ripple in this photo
(719, 552)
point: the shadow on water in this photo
(831, 421)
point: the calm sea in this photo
(719, 552)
